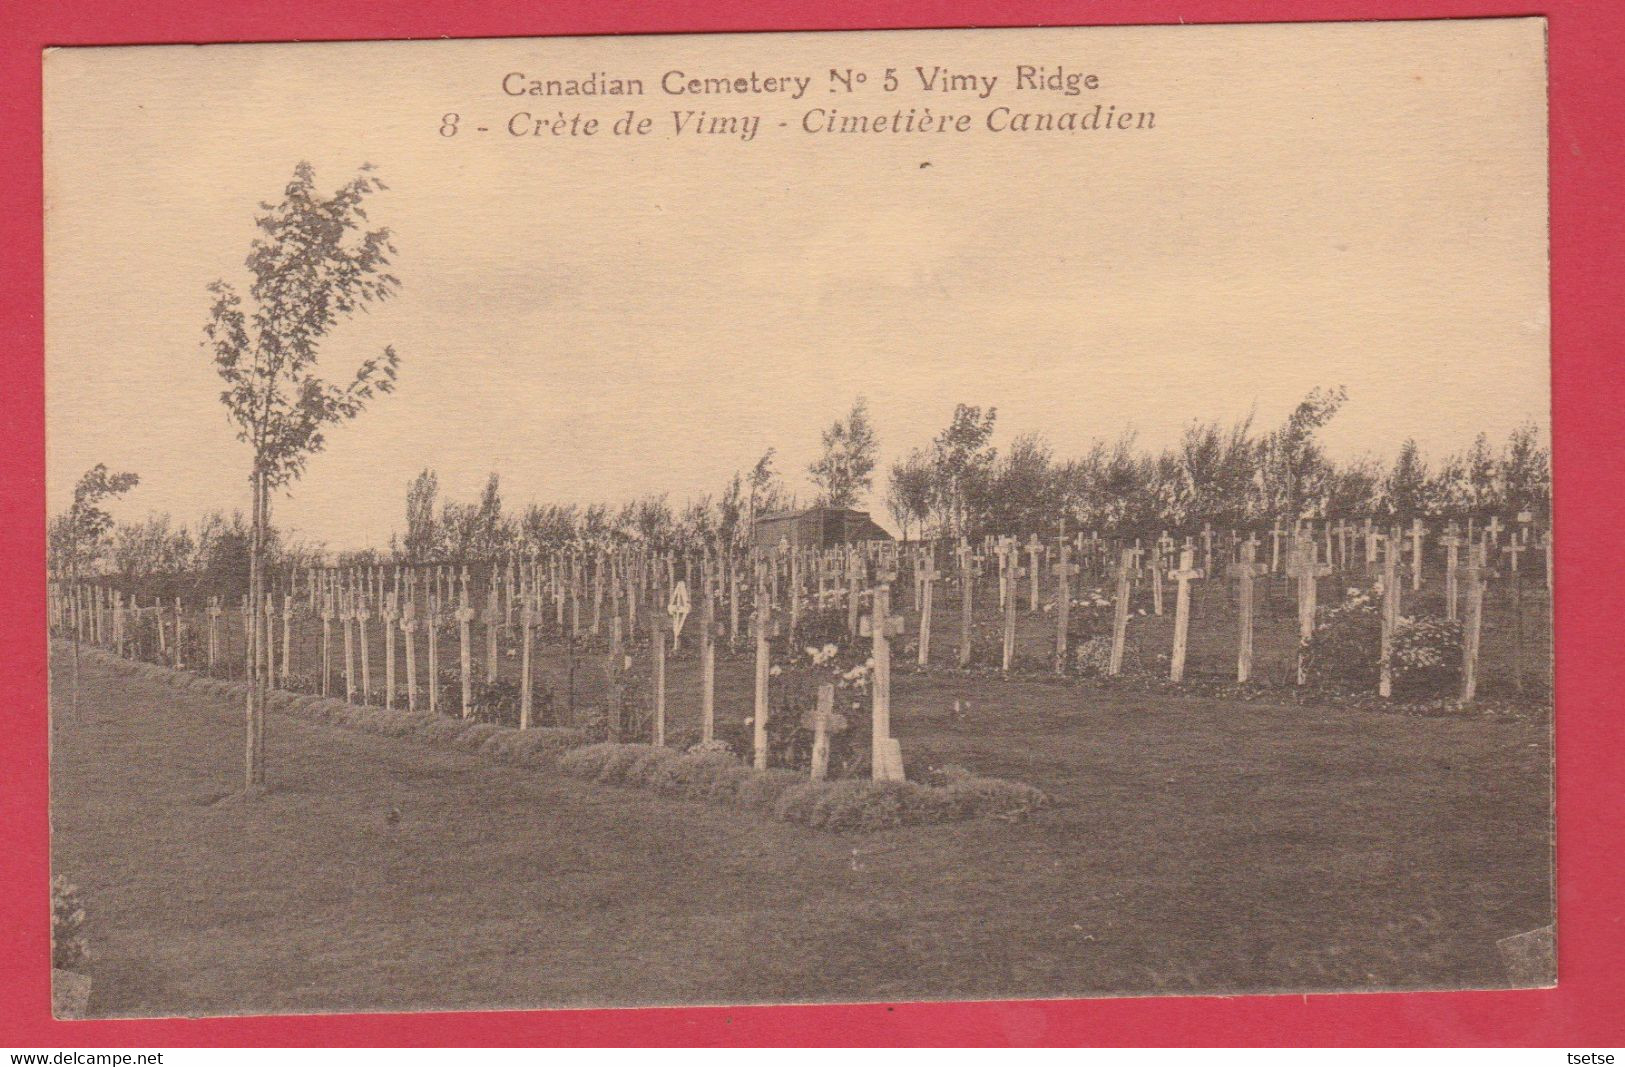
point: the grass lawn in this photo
(1197, 846)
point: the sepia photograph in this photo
(784, 518)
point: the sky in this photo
(602, 318)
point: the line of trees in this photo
(961, 483)
(1230, 476)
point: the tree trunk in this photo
(254, 759)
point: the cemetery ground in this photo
(1196, 845)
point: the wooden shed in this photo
(817, 528)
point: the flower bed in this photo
(844, 805)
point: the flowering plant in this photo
(69, 949)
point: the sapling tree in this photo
(78, 536)
(844, 471)
(315, 263)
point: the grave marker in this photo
(967, 591)
(1125, 571)
(1452, 541)
(885, 754)
(1304, 565)
(465, 619)
(1246, 571)
(1064, 570)
(820, 748)
(764, 625)
(926, 572)
(1035, 551)
(1476, 573)
(1417, 533)
(1182, 613)
(1015, 572)
(1390, 617)
(677, 608)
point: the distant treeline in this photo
(959, 484)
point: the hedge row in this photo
(849, 804)
(524, 748)
(843, 805)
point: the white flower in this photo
(775, 670)
(830, 650)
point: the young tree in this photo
(766, 491)
(908, 492)
(1526, 471)
(1408, 482)
(844, 471)
(960, 461)
(79, 534)
(313, 265)
(1293, 467)
(422, 541)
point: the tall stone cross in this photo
(327, 640)
(765, 624)
(1125, 576)
(493, 621)
(968, 573)
(1452, 541)
(1003, 549)
(1013, 573)
(880, 625)
(926, 569)
(409, 633)
(1275, 547)
(710, 630)
(214, 630)
(362, 614)
(1182, 612)
(1035, 552)
(1511, 550)
(391, 619)
(1246, 571)
(1476, 573)
(1390, 615)
(1306, 567)
(1064, 569)
(432, 632)
(1418, 532)
(348, 619)
(465, 618)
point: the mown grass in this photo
(1195, 846)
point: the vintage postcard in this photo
(779, 518)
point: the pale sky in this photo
(599, 318)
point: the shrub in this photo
(588, 761)
(618, 768)
(1346, 649)
(69, 948)
(441, 730)
(532, 747)
(993, 796)
(473, 735)
(692, 774)
(1426, 657)
(761, 791)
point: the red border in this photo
(1587, 43)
